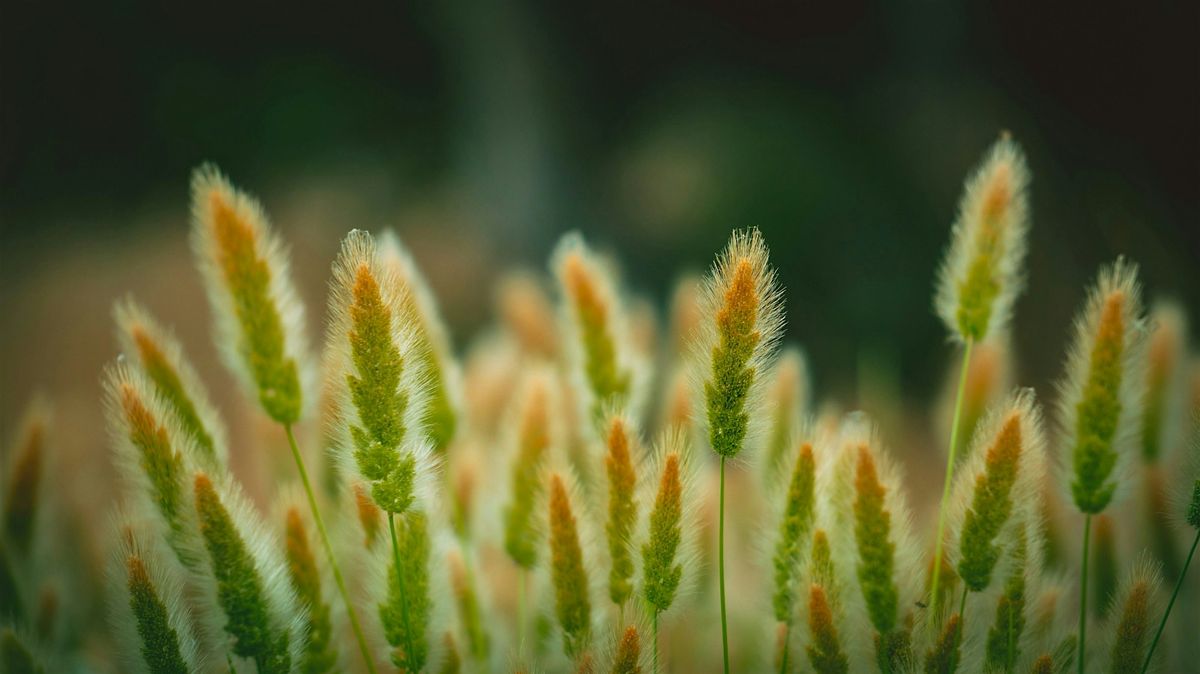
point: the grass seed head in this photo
(525, 308)
(981, 275)
(668, 554)
(571, 592)
(1164, 394)
(320, 652)
(259, 317)
(787, 400)
(1100, 398)
(160, 356)
(23, 479)
(1135, 614)
(598, 328)
(943, 656)
(406, 612)
(742, 309)
(798, 515)
(1003, 648)
(622, 507)
(532, 446)
(824, 651)
(629, 653)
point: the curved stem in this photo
(408, 646)
(721, 570)
(1083, 592)
(941, 525)
(333, 565)
(1171, 604)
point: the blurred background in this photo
(484, 130)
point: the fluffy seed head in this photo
(943, 657)
(825, 652)
(382, 382)
(598, 327)
(622, 508)
(1004, 637)
(470, 612)
(670, 533)
(252, 588)
(432, 342)
(1164, 397)
(161, 358)
(320, 652)
(532, 446)
(996, 487)
(981, 275)
(571, 594)
(1100, 398)
(259, 317)
(1138, 608)
(742, 307)
(629, 653)
(150, 617)
(798, 515)
(528, 313)
(787, 400)
(23, 476)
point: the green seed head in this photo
(991, 506)
(622, 509)
(1004, 637)
(665, 551)
(260, 321)
(629, 653)
(1099, 402)
(981, 274)
(1137, 610)
(569, 576)
(532, 444)
(320, 653)
(943, 656)
(743, 318)
(872, 533)
(825, 652)
(793, 531)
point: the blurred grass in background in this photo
(482, 130)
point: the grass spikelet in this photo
(152, 455)
(997, 487)
(622, 508)
(1136, 605)
(743, 309)
(527, 312)
(451, 660)
(470, 610)
(149, 613)
(1100, 395)
(1165, 354)
(825, 652)
(23, 479)
(787, 400)
(320, 653)
(670, 527)
(571, 594)
(628, 659)
(406, 613)
(432, 342)
(259, 317)
(532, 446)
(159, 354)
(598, 327)
(261, 612)
(1043, 665)
(981, 275)
(381, 392)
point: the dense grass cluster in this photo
(575, 493)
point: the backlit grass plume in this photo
(826, 651)
(149, 612)
(622, 507)
(263, 618)
(997, 491)
(980, 278)
(161, 358)
(572, 600)
(799, 512)
(742, 309)
(432, 342)
(25, 467)
(532, 445)
(320, 651)
(1003, 647)
(627, 659)
(787, 400)
(153, 456)
(1099, 403)
(1135, 606)
(259, 317)
(598, 329)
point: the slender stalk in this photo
(721, 570)
(521, 611)
(1171, 604)
(1083, 591)
(962, 618)
(400, 584)
(654, 624)
(941, 525)
(783, 659)
(337, 572)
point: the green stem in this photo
(1083, 591)
(941, 525)
(408, 646)
(521, 611)
(333, 565)
(783, 659)
(721, 570)
(654, 628)
(1171, 604)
